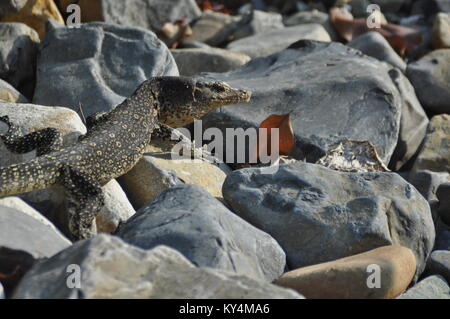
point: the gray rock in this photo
(195, 61)
(208, 27)
(20, 231)
(104, 65)
(190, 220)
(330, 90)
(439, 264)
(430, 76)
(315, 16)
(20, 205)
(148, 14)
(10, 6)
(117, 209)
(443, 194)
(9, 94)
(158, 171)
(375, 45)
(434, 155)
(32, 117)
(111, 268)
(413, 123)
(427, 183)
(18, 51)
(251, 24)
(440, 37)
(258, 22)
(319, 215)
(434, 287)
(274, 41)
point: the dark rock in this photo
(333, 92)
(318, 214)
(112, 269)
(427, 183)
(190, 220)
(443, 194)
(9, 6)
(430, 76)
(105, 66)
(266, 43)
(442, 238)
(18, 51)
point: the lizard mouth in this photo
(232, 96)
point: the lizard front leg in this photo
(85, 200)
(43, 141)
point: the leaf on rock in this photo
(286, 134)
(401, 38)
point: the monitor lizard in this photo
(113, 144)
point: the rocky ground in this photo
(173, 229)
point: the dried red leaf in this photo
(401, 38)
(286, 134)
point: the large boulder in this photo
(207, 233)
(318, 214)
(18, 53)
(105, 66)
(111, 268)
(332, 91)
(266, 43)
(430, 76)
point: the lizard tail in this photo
(27, 177)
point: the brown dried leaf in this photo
(286, 133)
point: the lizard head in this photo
(183, 99)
